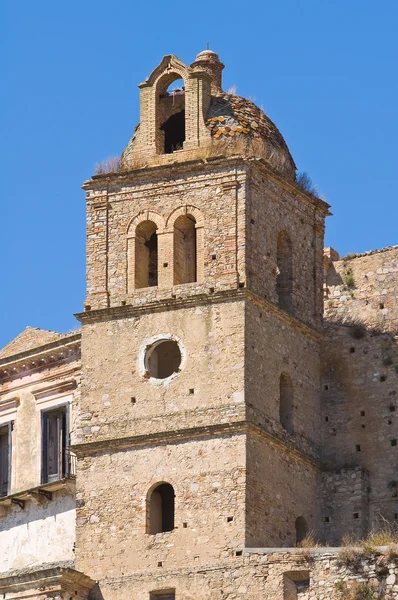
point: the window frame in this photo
(61, 474)
(9, 425)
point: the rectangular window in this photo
(5, 458)
(164, 595)
(54, 442)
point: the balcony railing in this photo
(70, 464)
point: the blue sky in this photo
(324, 70)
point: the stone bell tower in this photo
(200, 418)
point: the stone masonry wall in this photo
(364, 287)
(118, 398)
(262, 574)
(281, 486)
(212, 193)
(208, 477)
(345, 504)
(360, 375)
(274, 206)
(275, 344)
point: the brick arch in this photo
(143, 259)
(185, 210)
(166, 78)
(170, 65)
(187, 244)
(145, 215)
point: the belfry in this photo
(230, 397)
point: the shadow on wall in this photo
(96, 593)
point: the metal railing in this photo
(70, 464)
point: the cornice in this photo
(243, 427)
(103, 180)
(46, 356)
(236, 295)
(62, 575)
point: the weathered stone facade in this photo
(219, 412)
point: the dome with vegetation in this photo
(236, 125)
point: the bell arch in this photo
(156, 108)
(188, 241)
(143, 251)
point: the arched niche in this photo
(160, 508)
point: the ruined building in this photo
(233, 387)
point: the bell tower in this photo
(200, 418)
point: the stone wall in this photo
(363, 287)
(277, 344)
(360, 377)
(120, 400)
(281, 487)
(344, 497)
(270, 574)
(274, 206)
(208, 477)
(212, 193)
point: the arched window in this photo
(301, 530)
(284, 280)
(286, 408)
(185, 252)
(161, 509)
(146, 255)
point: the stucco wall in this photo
(39, 533)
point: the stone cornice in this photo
(235, 295)
(46, 356)
(101, 181)
(192, 433)
(61, 576)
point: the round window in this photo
(163, 359)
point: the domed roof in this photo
(236, 125)
(233, 116)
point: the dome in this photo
(223, 123)
(230, 116)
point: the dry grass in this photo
(353, 552)
(305, 182)
(306, 545)
(351, 556)
(309, 541)
(245, 146)
(379, 538)
(109, 165)
(358, 590)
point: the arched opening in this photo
(284, 280)
(185, 252)
(174, 132)
(161, 509)
(163, 359)
(171, 115)
(301, 530)
(286, 408)
(146, 255)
